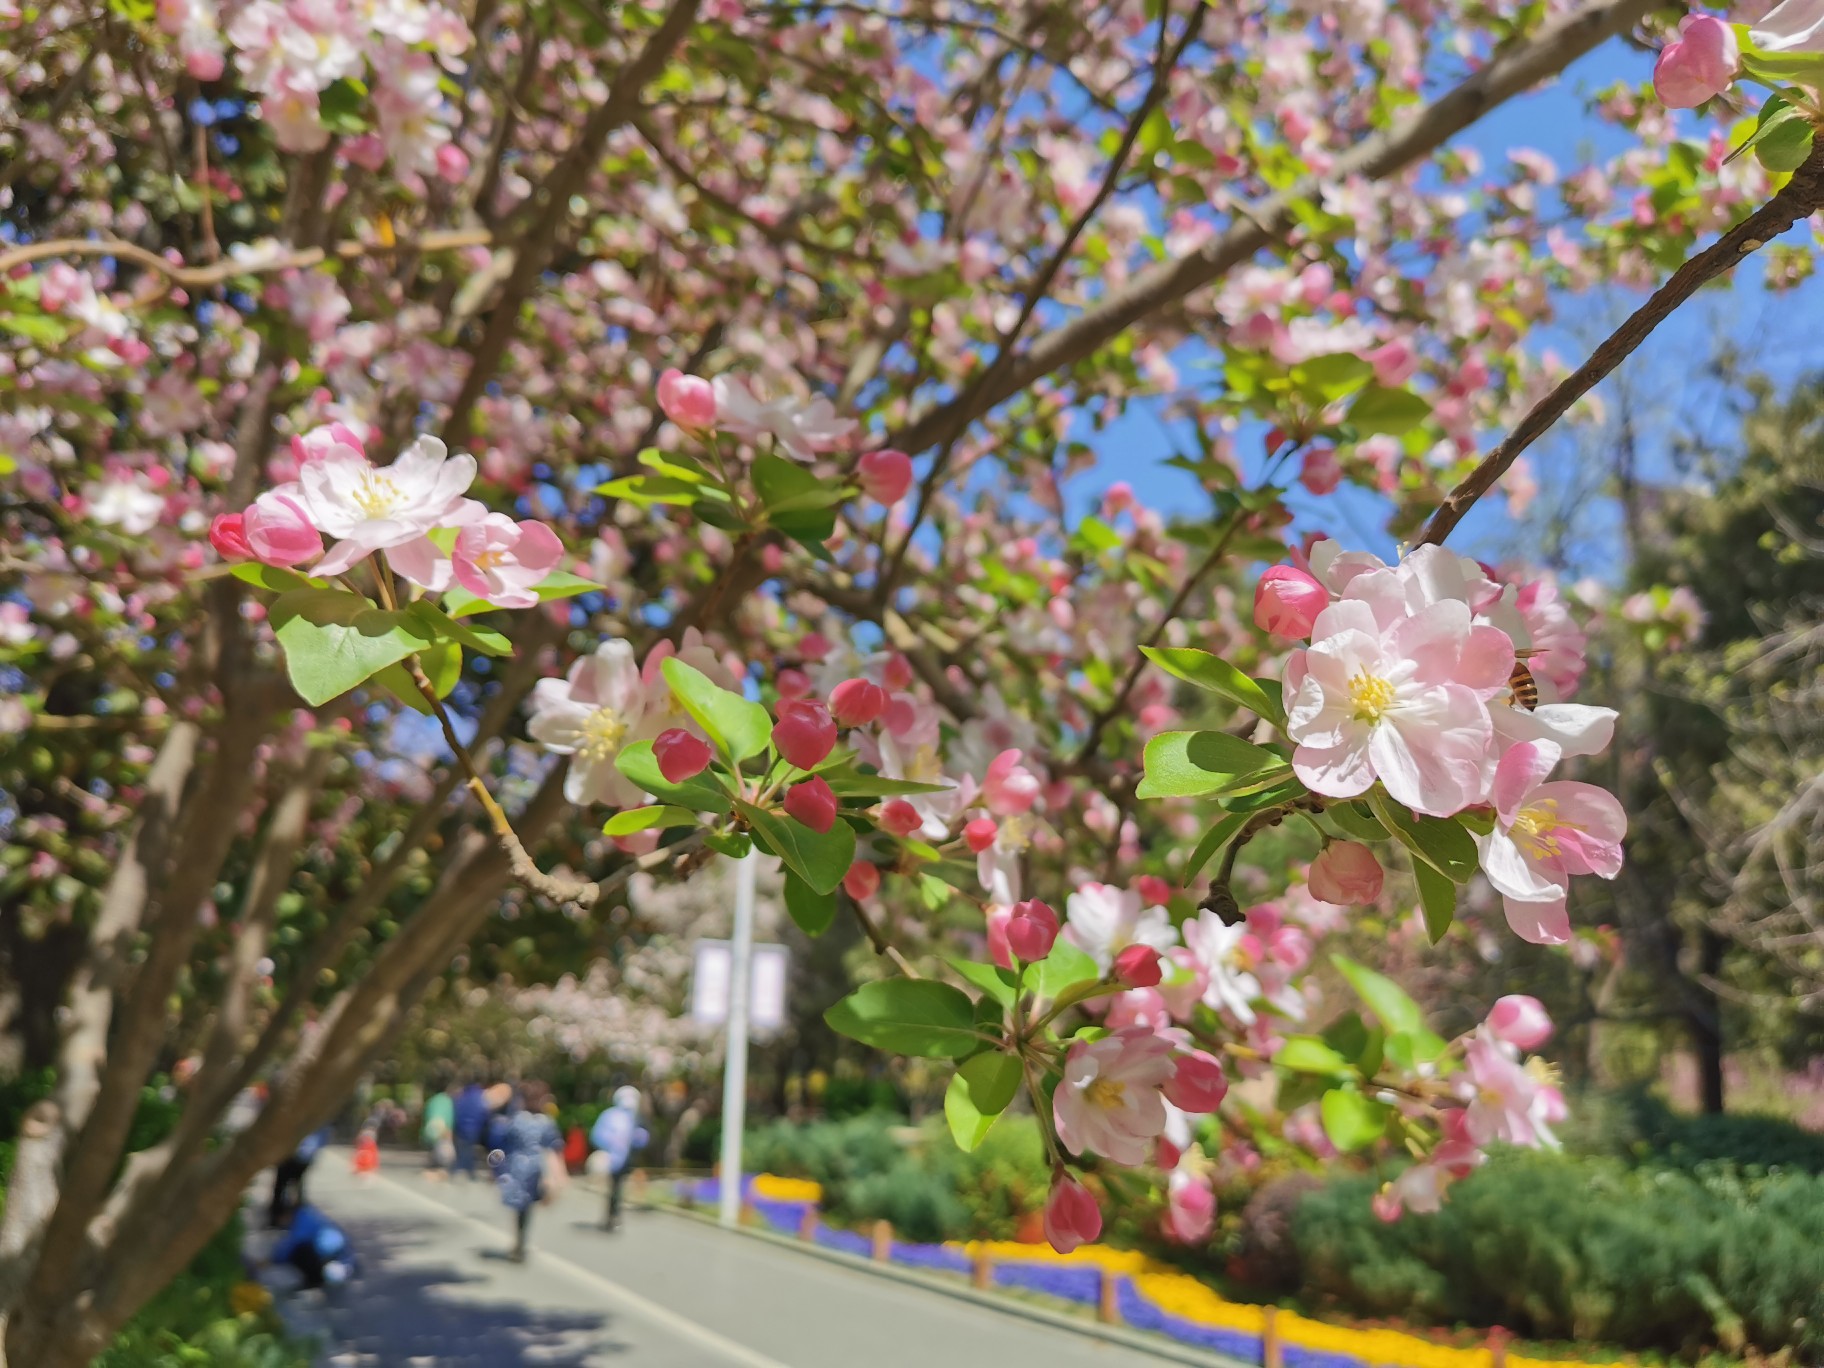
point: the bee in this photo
(1522, 688)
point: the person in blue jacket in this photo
(470, 1127)
(528, 1143)
(316, 1246)
(617, 1133)
(288, 1177)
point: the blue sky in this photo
(1774, 329)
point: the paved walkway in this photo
(436, 1292)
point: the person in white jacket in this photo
(617, 1133)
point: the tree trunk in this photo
(1706, 1021)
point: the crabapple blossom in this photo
(1502, 1095)
(1101, 921)
(688, 400)
(1072, 1217)
(1791, 26)
(503, 561)
(1420, 1188)
(1698, 65)
(680, 754)
(1137, 967)
(1545, 832)
(1009, 788)
(590, 715)
(1110, 1100)
(812, 803)
(801, 428)
(1520, 1021)
(1198, 1084)
(1229, 986)
(1031, 931)
(372, 508)
(884, 476)
(1287, 601)
(1190, 1204)
(805, 733)
(279, 532)
(1345, 872)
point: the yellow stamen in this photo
(1533, 828)
(602, 733)
(1105, 1094)
(377, 496)
(487, 560)
(1370, 695)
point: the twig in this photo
(1801, 197)
(882, 946)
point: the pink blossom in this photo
(1198, 1084)
(1032, 929)
(1184, 982)
(1545, 833)
(503, 562)
(800, 427)
(1520, 1021)
(1009, 788)
(1699, 64)
(1500, 1093)
(680, 754)
(999, 916)
(452, 163)
(813, 804)
(688, 400)
(372, 508)
(805, 733)
(884, 476)
(1190, 1207)
(1394, 362)
(1403, 705)
(1346, 873)
(1072, 1217)
(1287, 601)
(1792, 26)
(590, 716)
(1109, 1100)
(279, 531)
(1143, 1007)
(1320, 472)
(1102, 920)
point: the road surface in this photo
(436, 1292)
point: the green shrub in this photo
(1560, 1247)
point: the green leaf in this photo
(701, 794)
(1065, 967)
(978, 1094)
(819, 858)
(846, 781)
(1191, 764)
(908, 1016)
(647, 490)
(40, 328)
(1392, 411)
(1211, 672)
(1382, 996)
(787, 487)
(737, 725)
(1214, 840)
(335, 640)
(1438, 898)
(1355, 821)
(1352, 1120)
(1783, 142)
(559, 584)
(658, 816)
(994, 981)
(1332, 376)
(811, 910)
(1308, 1054)
(445, 628)
(397, 682)
(1407, 1050)
(734, 844)
(1437, 841)
(1780, 68)
(276, 578)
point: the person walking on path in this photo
(469, 1122)
(439, 1133)
(531, 1163)
(288, 1178)
(618, 1133)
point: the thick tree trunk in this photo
(1706, 1023)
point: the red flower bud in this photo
(980, 834)
(813, 804)
(862, 880)
(1032, 930)
(805, 733)
(680, 755)
(857, 702)
(899, 817)
(1137, 967)
(228, 536)
(1071, 1215)
(1197, 1085)
(884, 476)
(793, 683)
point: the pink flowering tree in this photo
(460, 458)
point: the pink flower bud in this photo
(899, 817)
(897, 674)
(1154, 891)
(884, 476)
(1190, 1210)
(1320, 472)
(1198, 1084)
(862, 880)
(680, 755)
(793, 683)
(1345, 872)
(813, 804)
(688, 400)
(1032, 930)
(279, 532)
(452, 163)
(1072, 1217)
(805, 733)
(1394, 362)
(814, 646)
(1287, 601)
(1009, 788)
(1520, 1021)
(979, 834)
(1699, 64)
(1137, 967)
(857, 702)
(229, 537)
(998, 916)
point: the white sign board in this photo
(766, 990)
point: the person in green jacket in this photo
(439, 1133)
